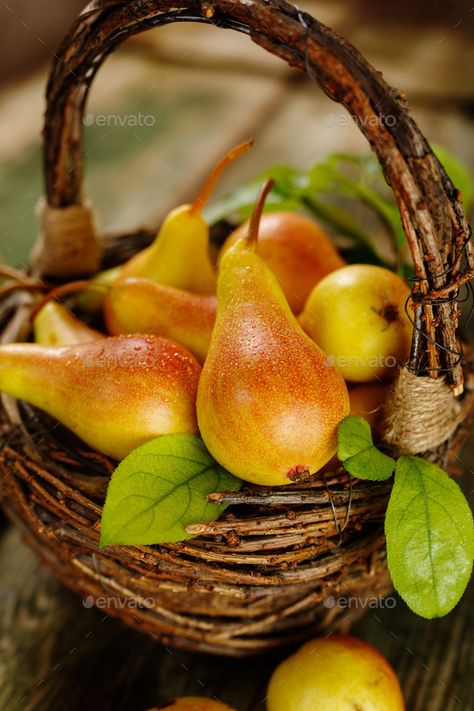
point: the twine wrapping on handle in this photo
(420, 413)
(69, 245)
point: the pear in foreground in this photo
(268, 401)
(297, 251)
(336, 673)
(143, 306)
(115, 394)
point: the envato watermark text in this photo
(343, 120)
(110, 361)
(348, 603)
(114, 120)
(375, 361)
(118, 603)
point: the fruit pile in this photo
(256, 364)
(289, 325)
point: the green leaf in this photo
(330, 177)
(161, 488)
(357, 452)
(240, 204)
(345, 225)
(354, 178)
(430, 537)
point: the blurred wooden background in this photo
(198, 91)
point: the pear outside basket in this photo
(267, 573)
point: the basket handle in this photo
(429, 204)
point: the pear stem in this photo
(252, 234)
(59, 292)
(216, 173)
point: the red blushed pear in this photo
(179, 257)
(194, 703)
(269, 403)
(367, 400)
(115, 394)
(297, 251)
(143, 306)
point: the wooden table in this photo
(204, 91)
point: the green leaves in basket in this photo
(161, 488)
(428, 524)
(430, 537)
(330, 190)
(357, 452)
(312, 190)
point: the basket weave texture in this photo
(270, 571)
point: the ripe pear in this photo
(54, 325)
(115, 394)
(297, 251)
(90, 301)
(336, 673)
(194, 703)
(357, 316)
(143, 306)
(268, 401)
(367, 400)
(179, 257)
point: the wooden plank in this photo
(56, 649)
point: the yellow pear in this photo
(143, 306)
(179, 256)
(54, 325)
(357, 316)
(335, 673)
(268, 401)
(115, 393)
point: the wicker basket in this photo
(268, 571)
